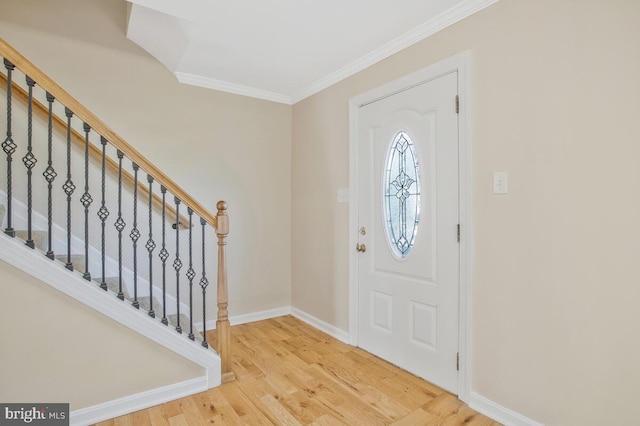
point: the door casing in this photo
(461, 63)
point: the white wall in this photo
(555, 282)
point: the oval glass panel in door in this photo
(401, 196)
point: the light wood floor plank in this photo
(289, 373)
(178, 420)
(158, 416)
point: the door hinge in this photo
(458, 232)
(458, 361)
(457, 104)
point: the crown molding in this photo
(427, 29)
(225, 86)
(440, 22)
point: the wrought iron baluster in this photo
(164, 255)
(9, 148)
(190, 273)
(103, 213)
(86, 201)
(204, 282)
(177, 265)
(50, 175)
(30, 161)
(135, 236)
(120, 225)
(68, 188)
(150, 246)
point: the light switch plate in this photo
(500, 183)
(343, 195)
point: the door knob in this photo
(361, 248)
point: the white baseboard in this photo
(331, 330)
(499, 413)
(246, 318)
(140, 401)
(259, 316)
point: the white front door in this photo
(408, 216)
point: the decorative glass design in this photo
(401, 195)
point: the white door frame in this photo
(460, 63)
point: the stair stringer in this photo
(53, 273)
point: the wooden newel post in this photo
(222, 323)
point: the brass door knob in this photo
(361, 248)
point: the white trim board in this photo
(72, 284)
(460, 63)
(247, 318)
(499, 413)
(139, 401)
(330, 329)
(314, 322)
(225, 86)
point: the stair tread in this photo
(184, 323)
(113, 284)
(76, 259)
(144, 302)
(39, 237)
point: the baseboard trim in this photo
(139, 401)
(331, 330)
(246, 318)
(497, 412)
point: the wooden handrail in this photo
(94, 151)
(24, 65)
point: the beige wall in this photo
(555, 285)
(554, 87)
(55, 349)
(215, 145)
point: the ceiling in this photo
(283, 50)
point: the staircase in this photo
(113, 282)
(82, 197)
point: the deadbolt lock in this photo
(363, 231)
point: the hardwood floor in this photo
(289, 373)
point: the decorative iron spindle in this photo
(135, 236)
(177, 265)
(9, 148)
(150, 246)
(103, 213)
(190, 273)
(204, 282)
(50, 175)
(86, 201)
(29, 161)
(68, 188)
(164, 255)
(120, 225)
